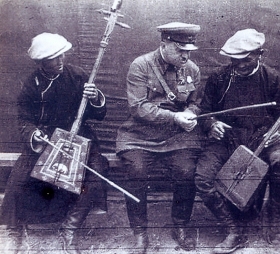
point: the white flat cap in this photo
(242, 43)
(48, 45)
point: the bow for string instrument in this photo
(244, 172)
(234, 109)
(243, 175)
(64, 159)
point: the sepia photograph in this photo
(139, 127)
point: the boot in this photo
(70, 246)
(180, 235)
(14, 240)
(137, 215)
(182, 205)
(69, 228)
(142, 241)
(271, 222)
(234, 240)
(272, 212)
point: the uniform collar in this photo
(163, 66)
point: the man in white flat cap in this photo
(163, 89)
(50, 99)
(243, 82)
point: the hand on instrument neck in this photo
(273, 140)
(91, 92)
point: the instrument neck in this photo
(273, 129)
(78, 121)
(103, 44)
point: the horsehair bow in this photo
(234, 109)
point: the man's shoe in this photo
(69, 245)
(142, 243)
(180, 236)
(231, 243)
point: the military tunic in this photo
(150, 125)
(150, 136)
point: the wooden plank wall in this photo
(81, 23)
(108, 76)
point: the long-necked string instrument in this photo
(90, 169)
(63, 161)
(244, 173)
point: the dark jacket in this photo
(58, 107)
(27, 199)
(224, 90)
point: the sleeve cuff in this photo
(101, 100)
(195, 109)
(36, 146)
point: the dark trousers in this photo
(272, 217)
(28, 200)
(274, 176)
(211, 161)
(140, 164)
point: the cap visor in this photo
(63, 50)
(236, 56)
(186, 46)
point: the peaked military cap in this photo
(183, 34)
(242, 43)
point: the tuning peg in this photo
(116, 5)
(109, 13)
(121, 24)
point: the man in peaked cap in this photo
(184, 35)
(50, 99)
(163, 89)
(246, 80)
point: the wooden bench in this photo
(159, 189)
(116, 173)
(117, 112)
(9, 159)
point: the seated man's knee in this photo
(99, 163)
(135, 168)
(203, 184)
(183, 174)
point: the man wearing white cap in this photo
(50, 99)
(163, 89)
(244, 82)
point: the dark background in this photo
(81, 23)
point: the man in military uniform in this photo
(246, 80)
(163, 89)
